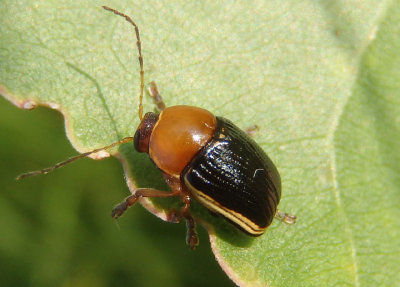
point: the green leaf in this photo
(321, 79)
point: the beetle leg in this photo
(120, 208)
(191, 236)
(174, 216)
(251, 130)
(158, 101)
(285, 217)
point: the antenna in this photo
(74, 158)
(122, 141)
(139, 46)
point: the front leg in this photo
(120, 208)
(173, 216)
(158, 101)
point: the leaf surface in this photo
(320, 79)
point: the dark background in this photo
(56, 229)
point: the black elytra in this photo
(234, 177)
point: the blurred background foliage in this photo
(56, 229)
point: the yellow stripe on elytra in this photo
(232, 215)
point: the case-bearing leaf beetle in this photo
(201, 157)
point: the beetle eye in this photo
(142, 135)
(136, 140)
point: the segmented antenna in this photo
(74, 158)
(124, 140)
(139, 45)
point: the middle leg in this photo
(191, 235)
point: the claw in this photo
(119, 209)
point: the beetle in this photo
(202, 157)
